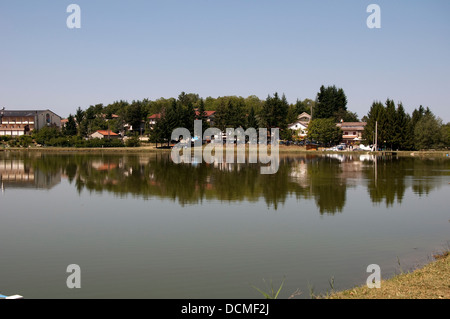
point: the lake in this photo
(140, 226)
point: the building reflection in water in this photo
(16, 173)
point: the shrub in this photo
(133, 142)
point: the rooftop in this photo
(352, 125)
(24, 113)
(107, 133)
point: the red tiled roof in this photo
(352, 125)
(107, 133)
(158, 115)
(207, 113)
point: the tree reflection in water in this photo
(322, 178)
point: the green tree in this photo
(71, 126)
(346, 116)
(184, 99)
(251, 119)
(220, 118)
(428, 132)
(275, 111)
(79, 115)
(172, 119)
(253, 102)
(306, 106)
(134, 115)
(388, 125)
(201, 115)
(189, 117)
(292, 114)
(330, 102)
(235, 112)
(324, 131)
(376, 114)
(403, 136)
(46, 134)
(446, 135)
(160, 130)
(417, 115)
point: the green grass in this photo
(270, 293)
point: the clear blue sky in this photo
(150, 49)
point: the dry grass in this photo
(429, 282)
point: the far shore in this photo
(282, 150)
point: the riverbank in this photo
(282, 150)
(429, 282)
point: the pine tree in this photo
(158, 133)
(173, 119)
(330, 103)
(220, 118)
(71, 126)
(402, 138)
(189, 117)
(376, 114)
(274, 112)
(202, 116)
(387, 125)
(251, 119)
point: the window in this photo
(354, 133)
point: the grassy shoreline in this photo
(282, 150)
(431, 281)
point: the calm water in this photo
(140, 226)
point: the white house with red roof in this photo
(104, 134)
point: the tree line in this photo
(396, 128)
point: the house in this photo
(304, 118)
(209, 116)
(64, 122)
(105, 116)
(18, 123)
(301, 125)
(352, 131)
(104, 134)
(153, 119)
(140, 129)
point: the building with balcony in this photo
(18, 123)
